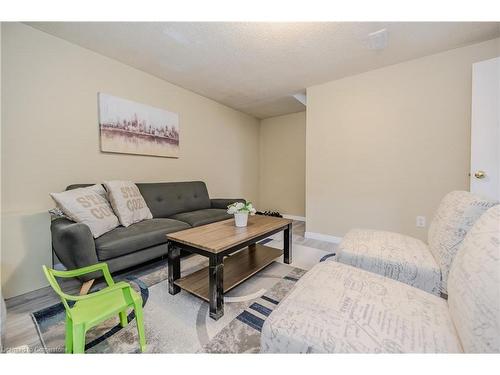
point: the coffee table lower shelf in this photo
(238, 267)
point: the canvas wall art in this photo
(133, 128)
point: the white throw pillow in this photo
(127, 202)
(88, 206)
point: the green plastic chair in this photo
(91, 309)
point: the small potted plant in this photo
(241, 211)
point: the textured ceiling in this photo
(256, 67)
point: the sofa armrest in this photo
(74, 245)
(224, 202)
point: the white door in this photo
(485, 130)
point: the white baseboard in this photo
(323, 237)
(293, 217)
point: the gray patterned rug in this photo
(180, 323)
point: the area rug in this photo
(180, 323)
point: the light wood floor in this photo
(20, 330)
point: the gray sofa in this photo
(175, 206)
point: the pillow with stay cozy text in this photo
(88, 206)
(127, 202)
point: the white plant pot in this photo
(241, 219)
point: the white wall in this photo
(283, 164)
(1, 293)
(387, 145)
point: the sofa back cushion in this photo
(77, 186)
(165, 199)
(474, 286)
(456, 214)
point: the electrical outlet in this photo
(421, 221)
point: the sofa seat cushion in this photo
(393, 255)
(202, 217)
(138, 236)
(336, 308)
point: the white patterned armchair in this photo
(409, 260)
(336, 308)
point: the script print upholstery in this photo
(393, 255)
(474, 286)
(408, 259)
(456, 214)
(337, 308)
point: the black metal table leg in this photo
(174, 268)
(287, 248)
(215, 286)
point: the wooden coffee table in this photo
(217, 241)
